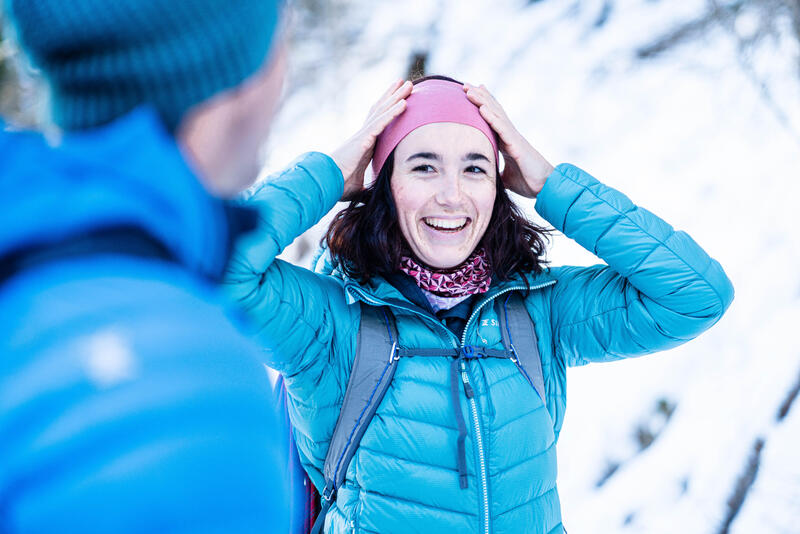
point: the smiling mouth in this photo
(447, 225)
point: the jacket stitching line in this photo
(592, 317)
(536, 498)
(526, 460)
(517, 418)
(389, 415)
(417, 503)
(402, 459)
(654, 238)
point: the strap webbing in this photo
(520, 339)
(461, 449)
(473, 352)
(372, 372)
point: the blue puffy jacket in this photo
(128, 402)
(657, 289)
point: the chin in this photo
(443, 261)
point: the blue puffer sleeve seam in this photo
(596, 315)
(567, 171)
(297, 311)
(320, 169)
(326, 173)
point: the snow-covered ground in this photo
(688, 135)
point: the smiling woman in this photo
(440, 202)
(444, 196)
(433, 266)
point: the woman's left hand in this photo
(525, 169)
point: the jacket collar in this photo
(380, 289)
(128, 173)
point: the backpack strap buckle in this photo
(513, 351)
(471, 352)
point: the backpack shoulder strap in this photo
(372, 372)
(519, 336)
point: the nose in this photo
(449, 192)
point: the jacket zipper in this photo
(503, 292)
(468, 390)
(470, 393)
(378, 302)
(473, 405)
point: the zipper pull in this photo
(468, 391)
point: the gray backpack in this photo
(377, 354)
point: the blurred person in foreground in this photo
(128, 401)
(436, 280)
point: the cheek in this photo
(399, 193)
(483, 196)
(488, 205)
(407, 198)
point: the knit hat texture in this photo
(102, 58)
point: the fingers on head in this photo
(381, 120)
(484, 92)
(488, 111)
(478, 96)
(401, 92)
(404, 89)
(390, 93)
(390, 99)
(392, 88)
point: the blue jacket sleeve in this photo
(301, 318)
(657, 290)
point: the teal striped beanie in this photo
(102, 58)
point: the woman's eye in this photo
(423, 168)
(473, 169)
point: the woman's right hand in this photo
(354, 155)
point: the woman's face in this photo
(443, 185)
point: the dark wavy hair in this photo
(365, 240)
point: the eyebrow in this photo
(425, 155)
(475, 156)
(472, 156)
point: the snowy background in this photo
(691, 110)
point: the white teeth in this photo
(446, 224)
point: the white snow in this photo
(688, 135)
(774, 499)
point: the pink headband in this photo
(430, 101)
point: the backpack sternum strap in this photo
(469, 352)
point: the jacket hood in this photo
(126, 174)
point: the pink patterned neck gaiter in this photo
(471, 277)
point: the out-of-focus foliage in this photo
(320, 33)
(751, 23)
